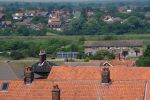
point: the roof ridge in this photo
(145, 91)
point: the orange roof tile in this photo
(94, 73)
(117, 62)
(75, 90)
(84, 83)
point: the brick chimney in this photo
(55, 93)
(29, 75)
(105, 74)
(119, 56)
(42, 55)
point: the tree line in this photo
(17, 48)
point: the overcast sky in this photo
(64, 0)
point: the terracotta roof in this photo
(75, 90)
(94, 73)
(7, 22)
(84, 83)
(117, 62)
(115, 43)
(54, 20)
(114, 63)
(18, 15)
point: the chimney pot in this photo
(55, 93)
(105, 74)
(29, 75)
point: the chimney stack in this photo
(55, 93)
(42, 55)
(119, 56)
(29, 75)
(105, 74)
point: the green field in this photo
(144, 37)
(88, 37)
(30, 61)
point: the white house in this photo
(128, 48)
(18, 16)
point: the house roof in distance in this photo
(114, 43)
(114, 63)
(1, 15)
(6, 72)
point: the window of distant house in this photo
(4, 86)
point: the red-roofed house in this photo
(2, 8)
(54, 23)
(2, 15)
(30, 13)
(5, 24)
(81, 83)
(18, 16)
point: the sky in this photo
(64, 0)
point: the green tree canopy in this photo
(103, 55)
(145, 59)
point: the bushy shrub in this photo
(103, 55)
(87, 59)
(16, 55)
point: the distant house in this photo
(110, 19)
(37, 26)
(29, 13)
(6, 23)
(18, 16)
(90, 13)
(147, 14)
(128, 10)
(2, 8)
(42, 13)
(126, 48)
(54, 23)
(125, 9)
(67, 55)
(1, 15)
(58, 13)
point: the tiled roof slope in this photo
(114, 63)
(94, 73)
(84, 83)
(114, 43)
(117, 62)
(75, 90)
